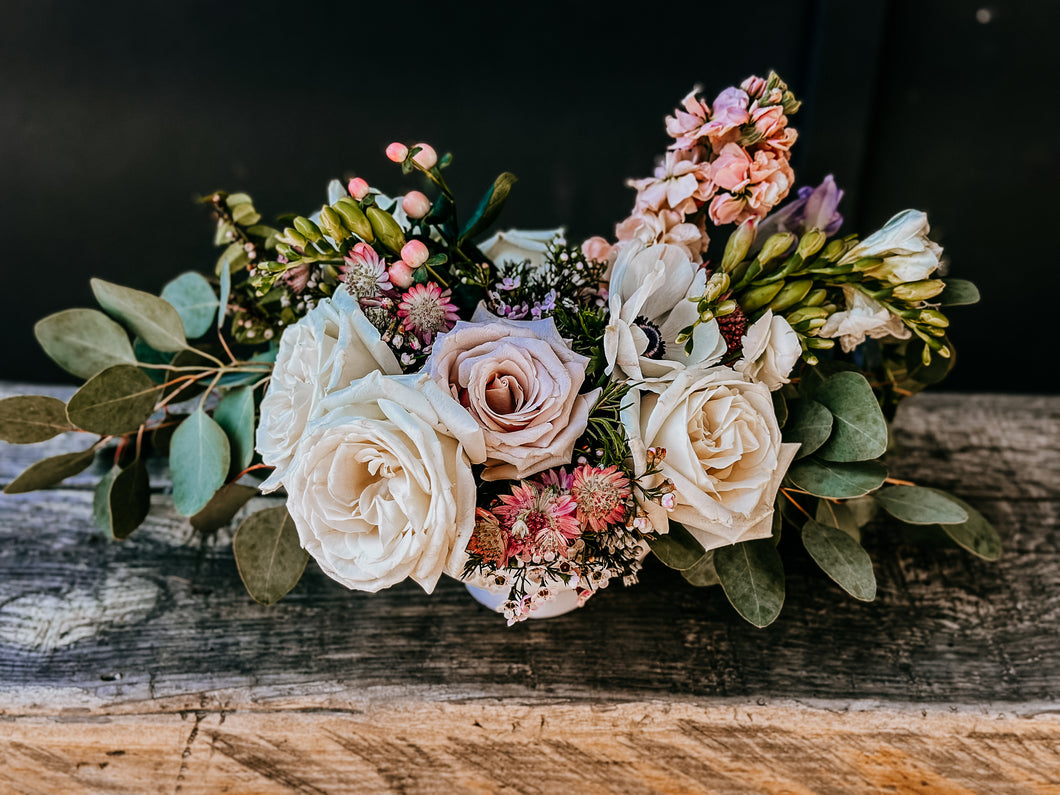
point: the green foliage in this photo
(958, 292)
(28, 419)
(916, 505)
(841, 558)
(122, 500)
(975, 534)
(809, 424)
(235, 415)
(49, 471)
(148, 316)
(193, 298)
(83, 341)
(222, 507)
(849, 515)
(837, 480)
(859, 432)
(198, 458)
(116, 401)
(703, 574)
(678, 548)
(268, 554)
(489, 207)
(752, 576)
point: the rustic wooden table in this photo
(143, 666)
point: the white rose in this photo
(862, 317)
(770, 349)
(380, 488)
(723, 453)
(903, 245)
(518, 245)
(648, 300)
(328, 349)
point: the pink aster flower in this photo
(427, 311)
(600, 495)
(539, 520)
(365, 272)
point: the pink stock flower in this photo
(668, 227)
(596, 249)
(686, 123)
(426, 311)
(731, 170)
(681, 183)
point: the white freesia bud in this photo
(903, 245)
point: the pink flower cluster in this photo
(731, 158)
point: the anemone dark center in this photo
(656, 345)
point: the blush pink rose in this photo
(520, 381)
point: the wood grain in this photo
(151, 647)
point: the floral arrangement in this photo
(528, 414)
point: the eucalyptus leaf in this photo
(958, 292)
(752, 576)
(268, 554)
(83, 341)
(147, 315)
(703, 574)
(122, 500)
(198, 459)
(975, 534)
(780, 407)
(235, 414)
(849, 515)
(28, 419)
(859, 432)
(841, 558)
(114, 402)
(145, 354)
(813, 377)
(809, 424)
(677, 549)
(489, 207)
(193, 298)
(837, 480)
(916, 505)
(222, 507)
(50, 471)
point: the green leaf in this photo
(189, 357)
(813, 377)
(245, 214)
(916, 505)
(193, 298)
(780, 408)
(841, 558)
(114, 402)
(677, 549)
(222, 507)
(145, 354)
(199, 459)
(975, 534)
(268, 554)
(703, 574)
(958, 292)
(50, 471)
(489, 207)
(849, 515)
(28, 419)
(83, 341)
(147, 315)
(233, 258)
(809, 424)
(235, 414)
(860, 430)
(837, 480)
(752, 576)
(222, 299)
(122, 500)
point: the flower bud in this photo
(426, 157)
(386, 229)
(354, 219)
(738, 244)
(834, 250)
(397, 152)
(293, 237)
(918, 291)
(414, 254)
(308, 229)
(725, 308)
(716, 286)
(806, 313)
(815, 297)
(400, 274)
(758, 297)
(358, 188)
(791, 294)
(820, 343)
(332, 223)
(415, 204)
(811, 243)
(775, 246)
(934, 317)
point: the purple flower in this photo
(814, 209)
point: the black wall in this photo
(115, 115)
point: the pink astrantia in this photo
(600, 495)
(539, 520)
(426, 310)
(365, 272)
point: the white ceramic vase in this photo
(563, 602)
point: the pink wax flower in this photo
(397, 152)
(426, 311)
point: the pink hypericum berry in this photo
(400, 274)
(414, 254)
(358, 188)
(426, 157)
(397, 152)
(415, 204)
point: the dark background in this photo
(114, 116)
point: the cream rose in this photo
(518, 245)
(380, 487)
(520, 381)
(723, 453)
(649, 292)
(329, 348)
(770, 349)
